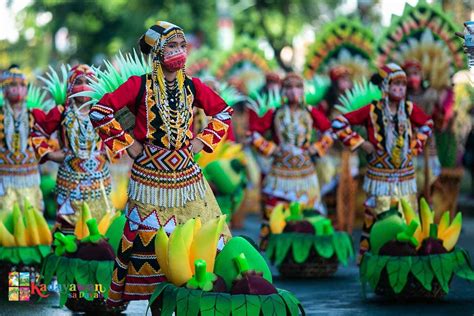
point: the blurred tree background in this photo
(89, 30)
(53, 31)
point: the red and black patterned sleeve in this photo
(342, 126)
(102, 115)
(257, 127)
(44, 125)
(322, 123)
(220, 113)
(424, 125)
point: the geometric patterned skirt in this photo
(136, 270)
(82, 181)
(292, 178)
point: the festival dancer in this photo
(292, 176)
(19, 171)
(84, 174)
(390, 145)
(428, 165)
(341, 81)
(166, 186)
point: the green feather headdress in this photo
(360, 95)
(230, 94)
(262, 102)
(316, 88)
(56, 84)
(35, 98)
(111, 77)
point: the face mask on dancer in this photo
(397, 90)
(80, 85)
(175, 60)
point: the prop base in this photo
(413, 290)
(314, 267)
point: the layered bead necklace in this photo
(175, 118)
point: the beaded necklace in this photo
(16, 130)
(175, 120)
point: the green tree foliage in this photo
(97, 27)
(279, 21)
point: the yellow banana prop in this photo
(204, 244)
(43, 229)
(161, 250)
(277, 220)
(32, 228)
(19, 227)
(178, 259)
(451, 235)
(19, 233)
(197, 226)
(188, 233)
(81, 231)
(6, 237)
(105, 222)
(426, 218)
(443, 223)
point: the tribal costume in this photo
(84, 175)
(427, 100)
(166, 186)
(390, 167)
(19, 171)
(292, 176)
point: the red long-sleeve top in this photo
(259, 125)
(369, 116)
(137, 95)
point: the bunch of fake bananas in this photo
(447, 232)
(278, 219)
(186, 244)
(281, 217)
(224, 150)
(119, 195)
(82, 231)
(24, 229)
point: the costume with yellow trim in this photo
(84, 175)
(390, 167)
(167, 186)
(292, 177)
(19, 171)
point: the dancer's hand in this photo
(57, 156)
(367, 147)
(197, 145)
(135, 149)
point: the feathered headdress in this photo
(344, 42)
(425, 34)
(111, 77)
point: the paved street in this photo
(339, 295)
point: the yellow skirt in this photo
(136, 271)
(18, 195)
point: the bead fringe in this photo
(164, 197)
